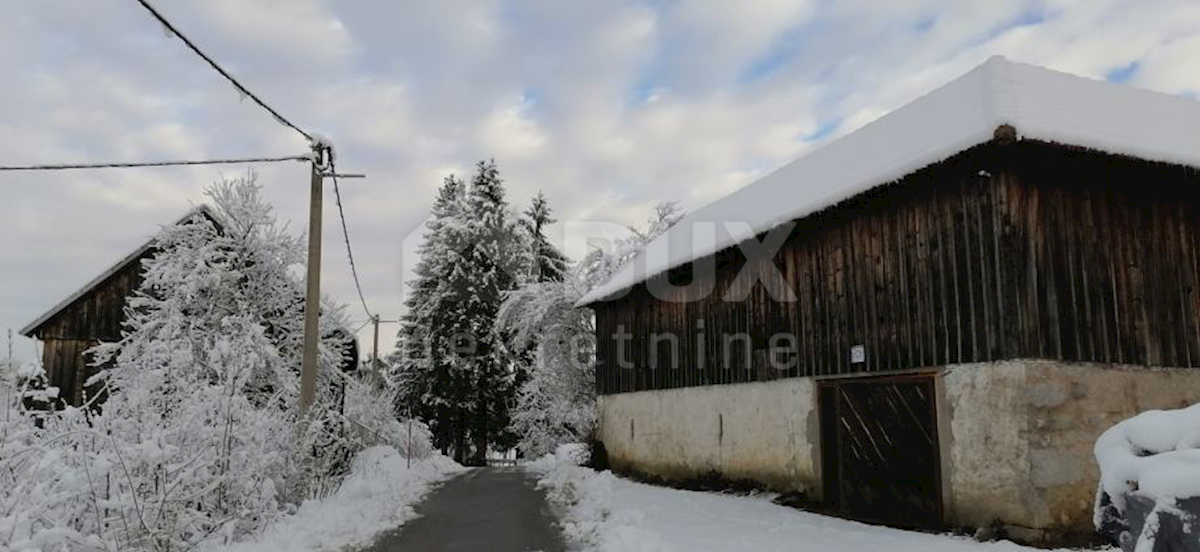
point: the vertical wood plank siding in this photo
(94, 317)
(1026, 250)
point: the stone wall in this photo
(756, 431)
(1019, 443)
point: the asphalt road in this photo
(496, 509)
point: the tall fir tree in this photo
(549, 264)
(455, 371)
(421, 373)
(492, 262)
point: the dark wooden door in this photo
(879, 450)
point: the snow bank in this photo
(378, 495)
(591, 517)
(606, 513)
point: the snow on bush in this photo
(378, 494)
(197, 442)
(1156, 455)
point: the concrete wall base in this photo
(758, 431)
(1016, 436)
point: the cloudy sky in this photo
(607, 106)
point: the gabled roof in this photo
(28, 330)
(1039, 103)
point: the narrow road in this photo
(483, 509)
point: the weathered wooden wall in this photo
(1024, 250)
(94, 317)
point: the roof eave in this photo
(30, 329)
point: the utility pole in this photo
(312, 298)
(322, 159)
(375, 345)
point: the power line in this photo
(346, 236)
(222, 71)
(174, 163)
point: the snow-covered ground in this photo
(378, 495)
(606, 513)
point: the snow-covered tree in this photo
(549, 264)
(455, 371)
(556, 405)
(428, 387)
(491, 261)
(198, 440)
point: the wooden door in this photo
(879, 445)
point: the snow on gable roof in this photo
(29, 329)
(1040, 103)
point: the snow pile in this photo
(606, 513)
(591, 516)
(377, 495)
(1155, 455)
(1040, 103)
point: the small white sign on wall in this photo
(858, 354)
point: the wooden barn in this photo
(928, 321)
(95, 313)
(91, 315)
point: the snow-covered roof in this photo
(28, 330)
(1039, 103)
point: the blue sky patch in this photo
(1122, 74)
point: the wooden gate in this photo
(879, 446)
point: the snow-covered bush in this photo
(371, 412)
(1153, 457)
(198, 440)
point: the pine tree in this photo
(422, 372)
(549, 263)
(490, 262)
(454, 370)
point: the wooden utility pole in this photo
(312, 298)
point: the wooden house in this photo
(92, 314)
(928, 321)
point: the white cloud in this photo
(607, 106)
(1164, 67)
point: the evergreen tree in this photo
(454, 370)
(422, 374)
(491, 262)
(549, 264)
